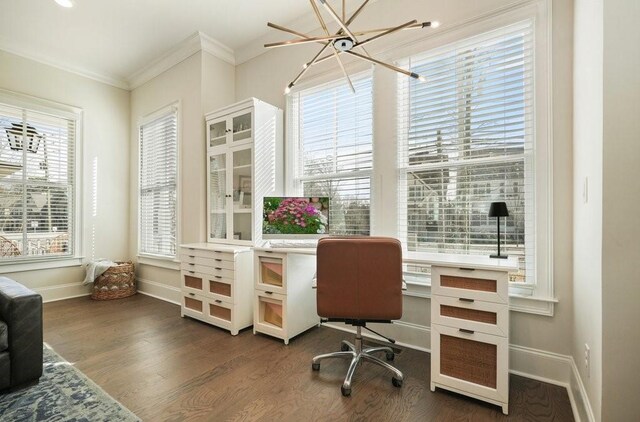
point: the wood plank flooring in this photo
(166, 368)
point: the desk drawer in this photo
(487, 286)
(193, 282)
(204, 253)
(211, 271)
(269, 313)
(207, 262)
(221, 288)
(470, 314)
(270, 273)
(220, 313)
(193, 305)
(470, 361)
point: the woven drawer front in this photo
(218, 311)
(469, 360)
(221, 289)
(193, 282)
(193, 305)
(489, 286)
(485, 317)
(469, 314)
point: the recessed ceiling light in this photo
(65, 3)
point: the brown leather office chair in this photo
(359, 280)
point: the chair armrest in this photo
(21, 310)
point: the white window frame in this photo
(169, 262)
(293, 184)
(68, 112)
(538, 298)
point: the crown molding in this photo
(96, 76)
(192, 45)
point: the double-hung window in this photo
(158, 182)
(37, 181)
(466, 139)
(330, 135)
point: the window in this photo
(331, 137)
(465, 140)
(158, 183)
(37, 180)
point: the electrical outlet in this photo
(587, 360)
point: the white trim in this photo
(40, 264)
(183, 50)
(578, 393)
(159, 291)
(63, 291)
(104, 78)
(160, 262)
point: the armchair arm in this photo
(21, 310)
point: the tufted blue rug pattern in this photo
(64, 394)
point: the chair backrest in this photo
(359, 278)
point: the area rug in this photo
(63, 394)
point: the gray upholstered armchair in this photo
(20, 334)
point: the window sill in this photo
(40, 264)
(517, 302)
(155, 261)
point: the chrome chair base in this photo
(357, 355)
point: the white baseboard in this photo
(159, 291)
(62, 291)
(583, 410)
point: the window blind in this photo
(466, 140)
(158, 185)
(331, 132)
(37, 183)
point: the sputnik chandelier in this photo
(345, 41)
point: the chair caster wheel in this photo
(396, 382)
(344, 347)
(390, 356)
(315, 366)
(345, 391)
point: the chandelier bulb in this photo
(435, 24)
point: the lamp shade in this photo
(498, 209)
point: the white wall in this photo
(587, 223)
(620, 221)
(105, 141)
(201, 83)
(266, 76)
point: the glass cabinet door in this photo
(242, 194)
(241, 125)
(218, 133)
(217, 196)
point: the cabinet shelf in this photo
(239, 132)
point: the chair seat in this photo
(4, 336)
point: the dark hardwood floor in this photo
(166, 368)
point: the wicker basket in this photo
(115, 283)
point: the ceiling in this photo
(112, 39)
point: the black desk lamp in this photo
(498, 209)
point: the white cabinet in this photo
(217, 284)
(284, 300)
(470, 332)
(244, 164)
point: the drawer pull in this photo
(462, 330)
(466, 269)
(269, 293)
(192, 272)
(217, 276)
(218, 301)
(190, 263)
(217, 251)
(218, 260)
(463, 299)
(192, 249)
(218, 268)
(192, 256)
(192, 294)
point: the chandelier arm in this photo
(306, 68)
(319, 16)
(344, 71)
(387, 65)
(338, 20)
(387, 32)
(301, 41)
(291, 31)
(357, 12)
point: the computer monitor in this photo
(294, 217)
